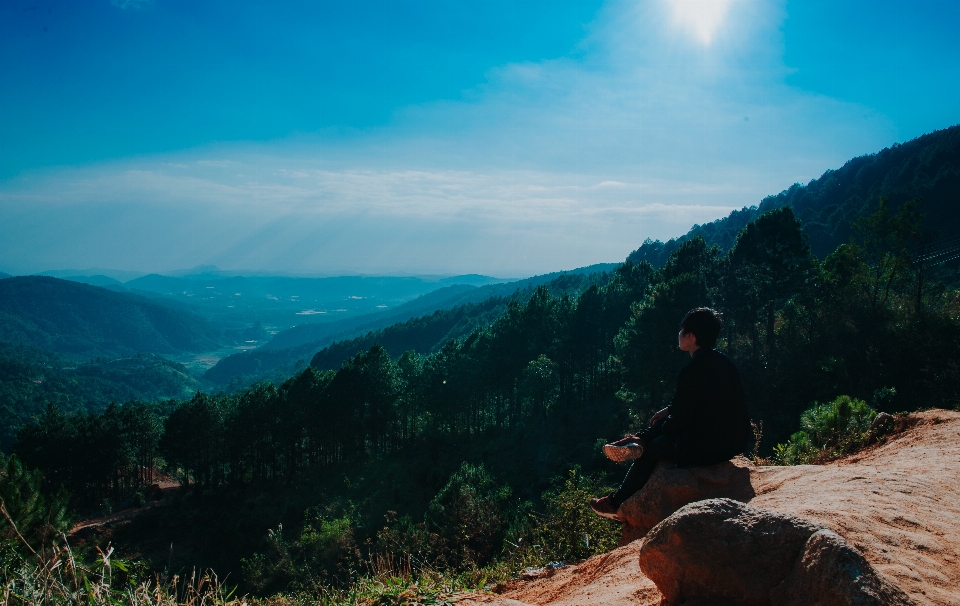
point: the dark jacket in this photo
(708, 415)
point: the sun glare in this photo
(701, 18)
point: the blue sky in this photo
(506, 138)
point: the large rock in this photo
(671, 487)
(831, 572)
(726, 551)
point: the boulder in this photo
(671, 487)
(883, 424)
(724, 551)
(830, 572)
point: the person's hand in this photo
(659, 416)
(627, 439)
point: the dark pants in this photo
(657, 447)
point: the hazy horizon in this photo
(506, 139)
(122, 275)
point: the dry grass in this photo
(54, 575)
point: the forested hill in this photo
(448, 297)
(428, 334)
(927, 167)
(422, 335)
(420, 325)
(31, 379)
(89, 321)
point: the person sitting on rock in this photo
(707, 421)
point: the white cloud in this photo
(675, 114)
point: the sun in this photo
(701, 18)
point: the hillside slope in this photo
(31, 379)
(73, 318)
(420, 325)
(927, 167)
(898, 503)
(309, 334)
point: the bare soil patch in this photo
(898, 502)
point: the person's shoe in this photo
(604, 507)
(623, 450)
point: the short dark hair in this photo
(704, 323)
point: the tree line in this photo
(800, 329)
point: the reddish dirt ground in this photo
(897, 502)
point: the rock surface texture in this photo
(831, 572)
(724, 550)
(897, 503)
(671, 487)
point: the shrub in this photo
(271, 571)
(568, 530)
(404, 542)
(324, 554)
(828, 430)
(328, 544)
(468, 517)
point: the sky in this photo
(392, 137)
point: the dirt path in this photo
(899, 503)
(166, 486)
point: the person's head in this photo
(704, 324)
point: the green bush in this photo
(568, 530)
(328, 544)
(271, 571)
(468, 517)
(828, 430)
(798, 450)
(325, 554)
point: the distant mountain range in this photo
(927, 167)
(96, 316)
(235, 303)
